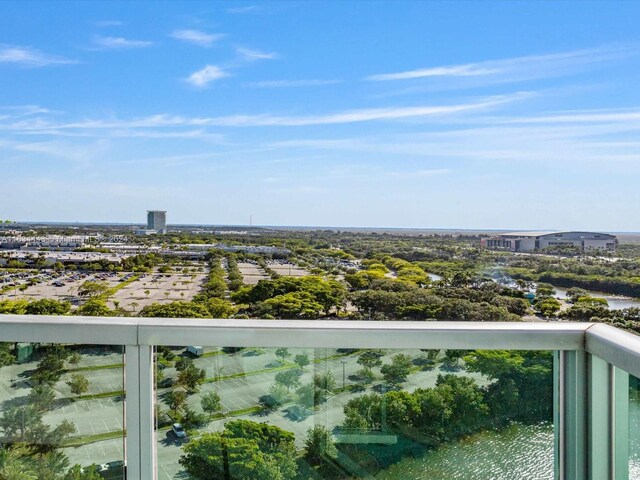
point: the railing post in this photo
(608, 421)
(620, 419)
(570, 415)
(600, 414)
(140, 442)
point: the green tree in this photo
(319, 446)
(369, 359)
(291, 305)
(74, 358)
(302, 360)
(6, 354)
(192, 419)
(452, 357)
(289, 378)
(87, 473)
(211, 403)
(51, 367)
(183, 363)
(191, 377)
(175, 310)
(41, 397)
(246, 450)
(548, 306)
(545, 290)
(78, 384)
(95, 308)
(398, 370)
(92, 289)
(306, 395)
(325, 381)
(220, 308)
(282, 353)
(24, 425)
(47, 306)
(176, 399)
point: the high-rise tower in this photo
(157, 220)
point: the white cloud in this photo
(421, 173)
(108, 23)
(251, 54)
(291, 83)
(520, 68)
(121, 43)
(211, 73)
(452, 71)
(30, 57)
(208, 74)
(197, 37)
(15, 111)
(241, 10)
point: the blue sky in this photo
(398, 114)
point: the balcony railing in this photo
(592, 365)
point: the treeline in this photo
(291, 297)
(522, 390)
(628, 286)
(387, 299)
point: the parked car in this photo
(178, 430)
(196, 350)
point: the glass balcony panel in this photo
(61, 410)
(634, 428)
(249, 413)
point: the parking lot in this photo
(157, 288)
(251, 273)
(287, 269)
(147, 289)
(55, 285)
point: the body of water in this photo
(518, 452)
(616, 302)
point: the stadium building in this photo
(532, 241)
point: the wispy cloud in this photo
(519, 68)
(246, 9)
(253, 54)
(595, 139)
(420, 173)
(30, 57)
(291, 83)
(119, 43)
(197, 37)
(17, 111)
(108, 23)
(585, 116)
(211, 73)
(205, 76)
(451, 71)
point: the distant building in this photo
(532, 241)
(157, 220)
(156, 223)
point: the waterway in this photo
(518, 452)
(616, 302)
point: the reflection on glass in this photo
(259, 413)
(61, 412)
(634, 428)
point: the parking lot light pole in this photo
(344, 363)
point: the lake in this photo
(616, 302)
(518, 452)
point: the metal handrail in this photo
(591, 395)
(616, 346)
